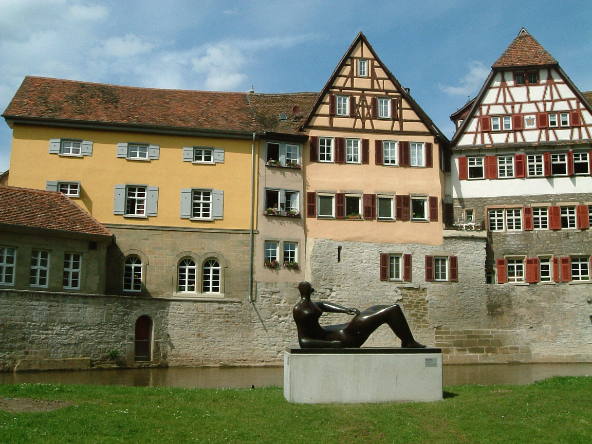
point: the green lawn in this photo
(557, 410)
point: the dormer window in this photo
(363, 68)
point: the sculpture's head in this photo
(305, 289)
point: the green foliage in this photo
(114, 355)
(555, 410)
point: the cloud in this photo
(129, 45)
(470, 82)
(87, 12)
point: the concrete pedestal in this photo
(353, 375)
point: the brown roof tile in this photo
(588, 96)
(281, 113)
(48, 210)
(524, 51)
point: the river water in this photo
(237, 377)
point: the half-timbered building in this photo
(522, 169)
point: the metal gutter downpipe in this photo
(252, 227)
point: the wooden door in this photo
(143, 341)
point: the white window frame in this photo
(441, 269)
(352, 151)
(71, 273)
(7, 264)
(271, 251)
(553, 120)
(581, 158)
(68, 148)
(204, 207)
(515, 269)
(395, 267)
(332, 196)
(135, 193)
(535, 165)
(69, 189)
(390, 152)
(513, 219)
(564, 120)
(141, 150)
(424, 199)
(496, 123)
(505, 167)
(289, 255)
(545, 269)
(289, 157)
(341, 105)
(39, 272)
(200, 154)
(133, 273)
(559, 159)
(568, 213)
(416, 154)
(284, 203)
(326, 149)
(186, 275)
(507, 123)
(540, 218)
(495, 217)
(384, 107)
(469, 215)
(532, 119)
(580, 268)
(211, 273)
(392, 207)
(476, 163)
(362, 67)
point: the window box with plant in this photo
(291, 265)
(272, 264)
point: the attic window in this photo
(283, 116)
(363, 68)
(526, 77)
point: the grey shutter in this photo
(119, 199)
(218, 155)
(122, 149)
(152, 201)
(187, 154)
(51, 185)
(86, 147)
(218, 204)
(283, 154)
(154, 152)
(282, 199)
(54, 146)
(185, 203)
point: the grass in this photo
(554, 410)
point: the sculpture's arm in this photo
(336, 308)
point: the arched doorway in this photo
(143, 340)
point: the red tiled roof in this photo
(524, 51)
(588, 96)
(48, 210)
(281, 113)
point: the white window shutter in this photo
(219, 155)
(283, 154)
(218, 204)
(152, 201)
(86, 147)
(282, 198)
(154, 152)
(185, 203)
(187, 154)
(122, 149)
(54, 146)
(119, 199)
(51, 185)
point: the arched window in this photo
(132, 273)
(211, 276)
(186, 275)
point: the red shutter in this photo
(554, 218)
(404, 153)
(407, 267)
(332, 104)
(311, 204)
(340, 205)
(352, 106)
(369, 203)
(378, 157)
(590, 162)
(339, 150)
(394, 109)
(374, 104)
(570, 163)
(491, 167)
(582, 217)
(517, 122)
(547, 164)
(502, 274)
(463, 168)
(556, 273)
(403, 208)
(485, 123)
(532, 270)
(565, 269)
(429, 268)
(453, 263)
(528, 223)
(384, 264)
(433, 208)
(365, 151)
(542, 120)
(520, 161)
(429, 155)
(314, 148)
(575, 118)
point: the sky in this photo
(441, 49)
